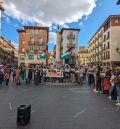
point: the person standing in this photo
(112, 89)
(98, 79)
(29, 76)
(81, 72)
(7, 77)
(13, 75)
(1, 77)
(41, 74)
(36, 77)
(17, 76)
(117, 83)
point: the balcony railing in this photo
(40, 43)
(70, 45)
(31, 42)
(29, 51)
(71, 36)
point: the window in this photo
(40, 31)
(104, 47)
(31, 47)
(40, 48)
(40, 42)
(38, 57)
(32, 31)
(116, 21)
(31, 41)
(108, 55)
(107, 26)
(23, 33)
(22, 57)
(108, 45)
(23, 50)
(23, 42)
(31, 57)
(108, 35)
(104, 38)
(36, 32)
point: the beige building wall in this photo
(115, 43)
(103, 45)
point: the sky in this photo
(86, 15)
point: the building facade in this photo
(32, 42)
(8, 53)
(83, 56)
(66, 39)
(105, 44)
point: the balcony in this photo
(31, 42)
(70, 45)
(36, 51)
(29, 51)
(40, 43)
(71, 36)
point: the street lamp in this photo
(118, 2)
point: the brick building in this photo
(32, 42)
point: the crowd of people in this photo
(103, 79)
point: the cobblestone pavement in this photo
(58, 107)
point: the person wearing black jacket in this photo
(98, 79)
(1, 77)
(29, 76)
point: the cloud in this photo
(7, 19)
(46, 12)
(52, 38)
(100, 4)
(80, 24)
(86, 18)
(65, 26)
(16, 45)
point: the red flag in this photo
(47, 53)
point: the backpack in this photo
(117, 80)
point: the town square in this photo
(60, 64)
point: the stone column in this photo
(58, 58)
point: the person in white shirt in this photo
(81, 76)
(112, 81)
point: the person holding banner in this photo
(67, 73)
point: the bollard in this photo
(23, 114)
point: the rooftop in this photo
(69, 29)
(32, 27)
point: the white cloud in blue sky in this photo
(45, 12)
(80, 24)
(52, 38)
